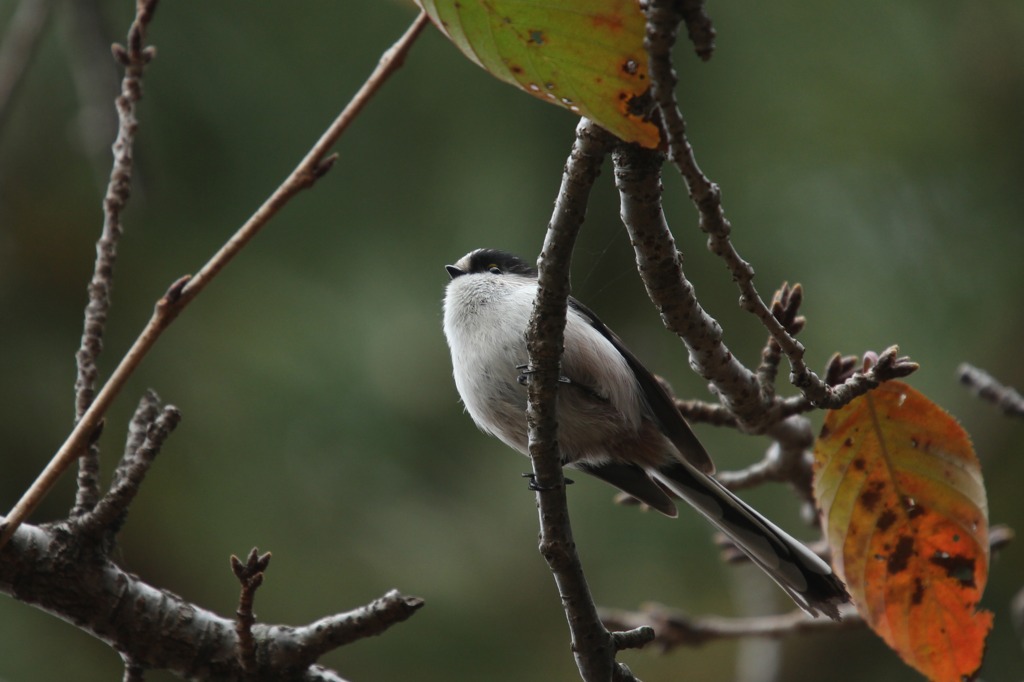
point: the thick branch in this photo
(51, 568)
(638, 177)
(593, 646)
(315, 164)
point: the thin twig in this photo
(315, 164)
(593, 646)
(983, 385)
(702, 412)
(699, 27)
(112, 508)
(250, 575)
(18, 46)
(138, 428)
(663, 18)
(785, 306)
(134, 58)
(674, 628)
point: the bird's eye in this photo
(494, 269)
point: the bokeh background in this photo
(872, 151)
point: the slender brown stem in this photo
(315, 164)
(675, 628)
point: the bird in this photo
(616, 421)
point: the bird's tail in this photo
(797, 570)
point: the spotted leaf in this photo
(906, 515)
(584, 55)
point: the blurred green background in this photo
(872, 151)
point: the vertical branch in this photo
(663, 19)
(134, 58)
(638, 178)
(250, 575)
(594, 647)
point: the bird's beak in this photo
(454, 272)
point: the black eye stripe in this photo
(498, 263)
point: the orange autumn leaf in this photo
(586, 56)
(906, 516)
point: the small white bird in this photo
(615, 420)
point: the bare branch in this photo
(112, 508)
(674, 628)
(144, 416)
(706, 413)
(778, 465)
(250, 575)
(18, 46)
(338, 630)
(983, 385)
(888, 365)
(663, 17)
(182, 292)
(50, 568)
(593, 646)
(638, 178)
(134, 59)
(785, 306)
(699, 27)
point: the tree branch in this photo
(699, 27)
(663, 18)
(50, 567)
(675, 628)
(983, 385)
(111, 511)
(371, 620)
(312, 167)
(134, 59)
(250, 575)
(593, 646)
(638, 178)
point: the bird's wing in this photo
(658, 401)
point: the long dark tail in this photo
(797, 570)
